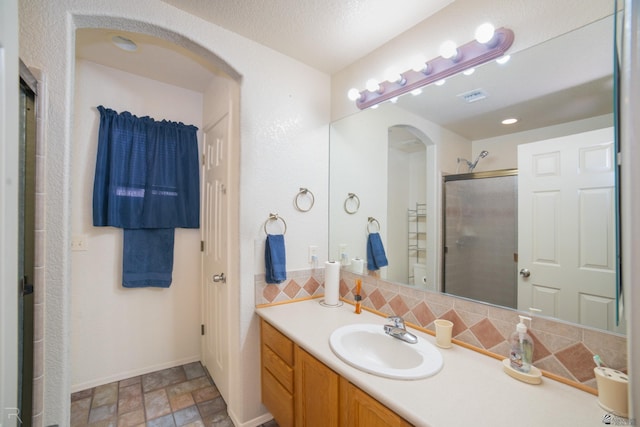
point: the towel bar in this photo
(303, 192)
(275, 217)
(371, 221)
(352, 197)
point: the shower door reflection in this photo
(481, 236)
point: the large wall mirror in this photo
(392, 160)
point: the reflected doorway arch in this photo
(412, 207)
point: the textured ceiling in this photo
(548, 84)
(326, 34)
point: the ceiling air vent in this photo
(473, 95)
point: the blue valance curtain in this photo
(147, 183)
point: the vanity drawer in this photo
(277, 342)
(276, 366)
(277, 399)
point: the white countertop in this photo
(470, 390)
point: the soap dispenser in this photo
(521, 354)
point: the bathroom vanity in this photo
(305, 383)
(322, 397)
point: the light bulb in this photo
(503, 59)
(448, 50)
(469, 71)
(485, 32)
(416, 92)
(440, 82)
(394, 100)
(419, 64)
(372, 85)
(394, 76)
(353, 94)
(509, 121)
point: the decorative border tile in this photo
(561, 348)
(298, 285)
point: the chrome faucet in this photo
(398, 330)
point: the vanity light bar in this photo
(469, 55)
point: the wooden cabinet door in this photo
(361, 410)
(316, 396)
(277, 375)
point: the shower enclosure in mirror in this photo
(480, 233)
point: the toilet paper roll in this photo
(331, 283)
(357, 266)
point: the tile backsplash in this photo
(561, 348)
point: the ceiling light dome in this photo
(124, 43)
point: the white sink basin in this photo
(366, 346)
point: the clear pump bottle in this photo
(521, 355)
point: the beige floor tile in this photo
(130, 399)
(204, 394)
(131, 419)
(156, 404)
(130, 381)
(164, 398)
(105, 395)
(163, 378)
(80, 412)
(181, 401)
(188, 386)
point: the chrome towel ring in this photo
(275, 217)
(372, 220)
(304, 192)
(351, 204)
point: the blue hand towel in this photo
(376, 257)
(274, 259)
(147, 257)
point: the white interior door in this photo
(566, 232)
(214, 255)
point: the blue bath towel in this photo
(147, 257)
(376, 257)
(274, 259)
(146, 182)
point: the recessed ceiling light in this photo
(509, 121)
(124, 43)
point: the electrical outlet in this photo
(313, 254)
(79, 242)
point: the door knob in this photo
(525, 273)
(220, 278)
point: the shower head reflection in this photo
(472, 166)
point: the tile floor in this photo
(175, 397)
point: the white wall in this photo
(284, 115)
(9, 124)
(130, 331)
